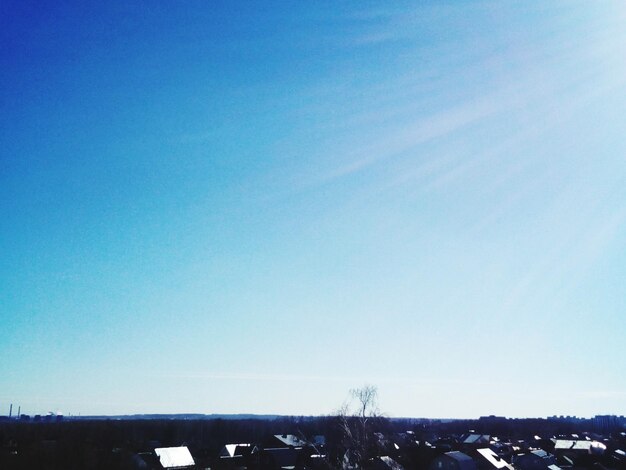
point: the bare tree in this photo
(367, 401)
(356, 419)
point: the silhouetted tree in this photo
(358, 419)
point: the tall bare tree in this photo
(356, 419)
(367, 401)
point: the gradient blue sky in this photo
(242, 207)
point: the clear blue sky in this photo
(242, 207)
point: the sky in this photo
(244, 207)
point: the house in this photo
(618, 458)
(476, 440)
(578, 453)
(282, 458)
(454, 460)
(283, 440)
(236, 455)
(534, 460)
(237, 450)
(489, 460)
(317, 461)
(283, 451)
(174, 457)
(445, 444)
(579, 446)
(383, 463)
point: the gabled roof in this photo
(477, 439)
(540, 453)
(391, 463)
(460, 456)
(174, 457)
(465, 461)
(290, 440)
(571, 444)
(566, 444)
(232, 450)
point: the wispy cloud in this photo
(350, 380)
(424, 130)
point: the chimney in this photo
(11, 410)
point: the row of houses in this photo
(279, 452)
(400, 451)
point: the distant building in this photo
(608, 423)
(492, 419)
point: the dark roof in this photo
(477, 439)
(541, 453)
(290, 440)
(280, 458)
(459, 456)
(385, 462)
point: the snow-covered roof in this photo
(290, 440)
(174, 457)
(493, 458)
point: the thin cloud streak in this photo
(318, 378)
(436, 126)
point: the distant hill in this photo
(240, 416)
(180, 416)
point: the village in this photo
(349, 443)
